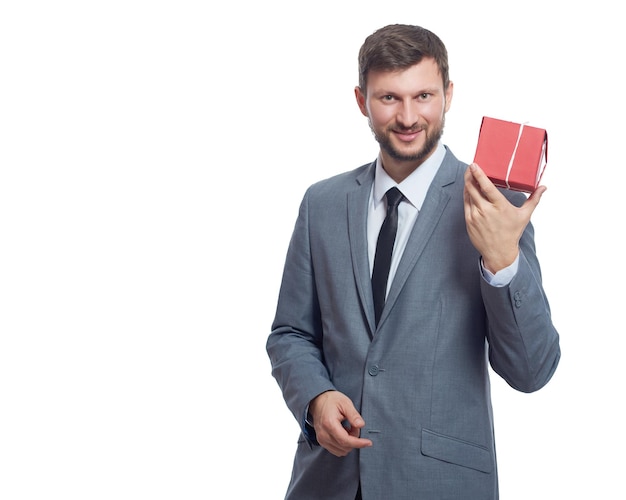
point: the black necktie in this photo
(384, 248)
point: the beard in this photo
(432, 139)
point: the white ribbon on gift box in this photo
(508, 170)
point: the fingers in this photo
(337, 423)
(479, 186)
(343, 438)
(345, 435)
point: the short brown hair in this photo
(399, 46)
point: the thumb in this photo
(354, 423)
(353, 417)
(534, 199)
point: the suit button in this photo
(373, 370)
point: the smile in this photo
(407, 136)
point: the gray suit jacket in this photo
(420, 380)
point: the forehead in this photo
(421, 76)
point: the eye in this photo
(387, 97)
(424, 96)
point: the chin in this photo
(409, 154)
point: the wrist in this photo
(493, 264)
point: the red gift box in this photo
(512, 155)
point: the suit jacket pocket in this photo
(456, 451)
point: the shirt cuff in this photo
(308, 430)
(503, 277)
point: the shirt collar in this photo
(415, 186)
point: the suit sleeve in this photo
(294, 345)
(523, 342)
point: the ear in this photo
(360, 100)
(449, 92)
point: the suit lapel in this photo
(357, 232)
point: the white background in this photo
(153, 156)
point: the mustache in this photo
(401, 128)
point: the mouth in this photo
(407, 135)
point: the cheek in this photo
(380, 115)
(435, 112)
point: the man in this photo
(394, 400)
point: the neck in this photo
(400, 169)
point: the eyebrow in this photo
(426, 90)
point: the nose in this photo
(408, 115)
